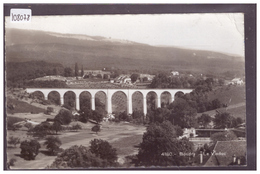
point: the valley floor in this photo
(123, 136)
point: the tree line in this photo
(19, 73)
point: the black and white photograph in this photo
(128, 87)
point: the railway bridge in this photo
(109, 93)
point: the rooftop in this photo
(224, 151)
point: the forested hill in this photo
(18, 73)
(97, 52)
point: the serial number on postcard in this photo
(20, 15)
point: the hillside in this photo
(17, 106)
(95, 52)
(232, 95)
(229, 94)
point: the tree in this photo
(49, 110)
(85, 114)
(223, 120)
(68, 72)
(76, 127)
(54, 71)
(204, 119)
(103, 150)
(134, 77)
(10, 163)
(237, 121)
(179, 131)
(14, 141)
(69, 100)
(216, 104)
(96, 116)
(105, 76)
(78, 157)
(65, 116)
(221, 82)
(138, 116)
(56, 126)
(99, 76)
(145, 79)
(42, 129)
(123, 116)
(82, 71)
(160, 147)
(182, 113)
(223, 136)
(52, 144)
(28, 125)
(159, 115)
(29, 149)
(76, 70)
(96, 128)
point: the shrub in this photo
(45, 102)
(49, 110)
(29, 149)
(76, 127)
(11, 163)
(14, 140)
(67, 106)
(11, 121)
(123, 116)
(138, 117)
(16, 127)
(96, 128)
(52, 144)
(28, 125)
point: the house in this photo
(123, 79)
(127, 80)
(175, 73)
(236, 81)
(187, 133)
(226, 153)
(148, 77)
(96, 72)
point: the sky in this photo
(221, 32)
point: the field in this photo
(123, 136)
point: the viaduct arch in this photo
(109, 93)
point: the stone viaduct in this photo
(109, 93)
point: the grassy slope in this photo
(225, 93)
(22, 107)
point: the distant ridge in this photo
(98, 52)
